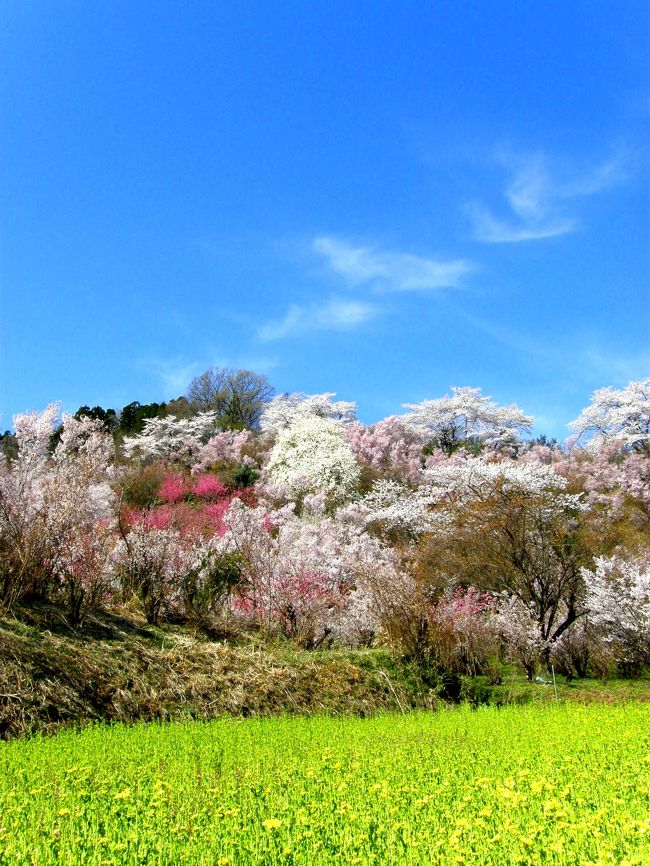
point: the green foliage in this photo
(108, 417)
(140, 484)
(203, 598)
(9, 445)
(133, 416)
(238, 475)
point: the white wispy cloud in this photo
(538, 200)
(174, 374)
(389, 271)
(333, 315)
(614, 366)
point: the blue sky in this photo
(377, 199)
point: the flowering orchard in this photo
(444, 532)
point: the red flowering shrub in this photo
(209, 487)
(173, 488)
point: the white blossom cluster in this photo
(618, 597)
(171, 438)
(285, 409)
(155, 563)
(33, 431)
(475, 478)
(56, 510)
(391, 505)
(520, 628)
(621, 415)
(328, 569)
(311, 455)
(467, 415)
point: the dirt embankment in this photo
(118, 669)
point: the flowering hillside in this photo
(443, 533)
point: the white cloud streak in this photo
(334, 315)
(389, 271)
(537, 201)
(174, 374)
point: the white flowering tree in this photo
(23, 512)
(467, 417)
(518, 625)
(171, 438)
(617, 415)
(400, 512)
(312, 455)
(285, 409)
(171, 572)
(294, 574)
(513, 530)
(80, 518)
(56, 512)
(618, 601)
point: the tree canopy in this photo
(238, 397)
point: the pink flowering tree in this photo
(461, 631)
(390, 448)
(615, 481)
(238, 453)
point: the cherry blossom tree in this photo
(312, 455)
(615, 482)
(170, 571)
(23, 511)
(291, 574)
(313, 577)
(390, 448)
(81, 514)
(518, 624)
(401, 513)
(618, 601)
(513, 529)
(461, 633)
(55, 512)
(170, 438)
(468, 418)
(285, 409)
(228, 447)
(622, 415)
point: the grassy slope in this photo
(119, 669)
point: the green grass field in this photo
(519, 785)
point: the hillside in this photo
(118, 668)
